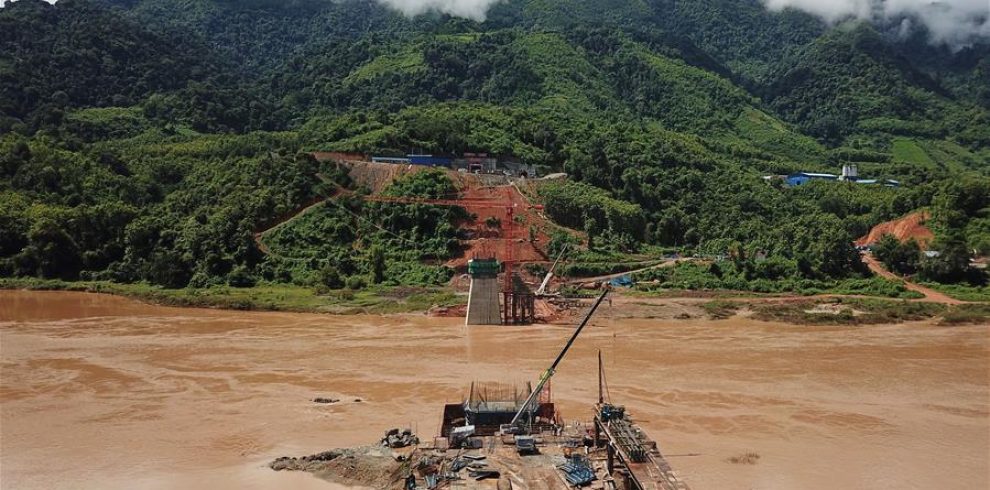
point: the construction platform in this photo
(502, 437)
(611, 453)
(557, 458)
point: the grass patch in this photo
(578, 270)
(770, 134)
(264, 297)
(906, 150)
(847, 311)
(962, 292)
(973, 314)
(703, 277)
(873, 286)
(409, 61)
(720, 310)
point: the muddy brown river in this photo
(107, 393)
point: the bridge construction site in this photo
(506, 231)
(503, 232)
(503, 437)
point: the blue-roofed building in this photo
(429, 160)
(801, 178)
(850, 173)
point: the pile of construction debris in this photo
(368, 466)
(306, 463)
(382, 466)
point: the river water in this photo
(103, 392)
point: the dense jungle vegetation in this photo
(149, 140)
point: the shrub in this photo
(355, 283)
(329, 277)
(240, 277)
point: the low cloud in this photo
(953, 22)
(471, 9)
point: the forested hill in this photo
(144, 135)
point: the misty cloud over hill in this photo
(953, 22)
(956, 23)
(471, 9)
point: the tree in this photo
(376, 260)
(329, 276)
(240, 277)
(906, 257)
(902, 258)
(591, 228)
(559, 240)
(950, 264)
(884, 249)
(54, 251)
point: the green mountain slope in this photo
(81, 55)
(850, 80)
(147, 140)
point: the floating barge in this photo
(612, 452)
(500, 437)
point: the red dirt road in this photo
(931, 295)
(510, 240)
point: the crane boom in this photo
(553, 367)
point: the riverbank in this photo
(262, 297)
(823, 310)
(826, 309)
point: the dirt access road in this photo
(931, 295)
(609, 277)
(511, 239)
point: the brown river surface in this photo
(107, 393)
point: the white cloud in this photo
(471, 9)
(953, 22)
